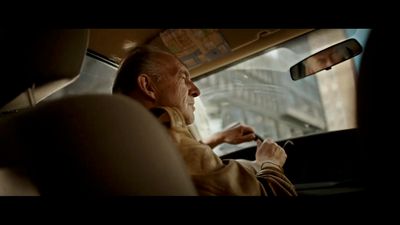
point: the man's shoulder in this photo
(169, 116)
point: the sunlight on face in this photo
(176, 89)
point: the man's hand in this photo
(232, 135)
(269, 151)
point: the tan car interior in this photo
(91, 144)
(243, 42)
(82, 145)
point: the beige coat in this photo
(213, 176)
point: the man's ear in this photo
(146, 85)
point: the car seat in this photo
(81, 145)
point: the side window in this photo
(96, 77)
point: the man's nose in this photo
(329, 62)
(193, 90)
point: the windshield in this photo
(260, 92)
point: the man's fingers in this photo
(269, 140)
(248, 137)
(247, 129)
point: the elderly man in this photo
(162, 83)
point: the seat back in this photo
(81, 145)
(36, 63)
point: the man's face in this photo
(324, 60)
(175, 88)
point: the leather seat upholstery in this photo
(81, 145)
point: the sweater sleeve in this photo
(213, 176)
(275, 182)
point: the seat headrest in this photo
(37, 57)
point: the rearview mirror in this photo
(325, 59)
